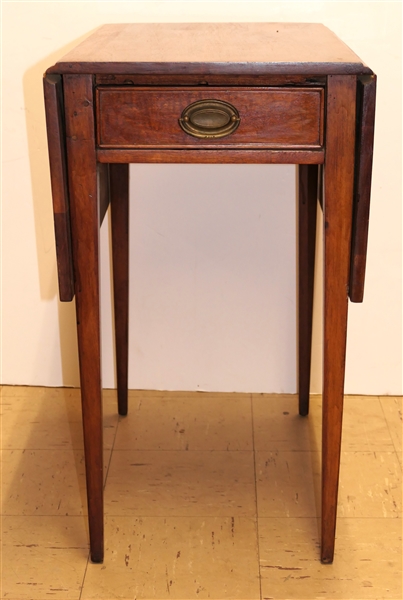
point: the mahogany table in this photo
(211, 93)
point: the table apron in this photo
(294, 157)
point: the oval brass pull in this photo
(209, 119)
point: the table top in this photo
(212, 48)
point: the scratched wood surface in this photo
(291, 48)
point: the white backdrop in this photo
(213, 297)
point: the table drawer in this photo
(216, 117)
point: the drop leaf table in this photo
(211, 93)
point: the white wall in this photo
(213, 251)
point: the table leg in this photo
(338, 197)
(119, 196)
(307, 205)
(85, 222)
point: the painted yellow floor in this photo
(206, 496)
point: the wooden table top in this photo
(212, 48)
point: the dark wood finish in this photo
(63, 256)
(212, 49)
(119, 190)
(53, 94)
(149, 117)
(80, 135)
(320, 185)
(304, 63)
(103, 189)
(307, 207)
(203, 69)
(366, 93)
(219, 155)
(188, 79)
(339, 182)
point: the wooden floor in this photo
(207, 496)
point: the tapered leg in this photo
(308, 199)
(339, 175)
(119, 195)
(85, 235)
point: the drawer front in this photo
(157, 118)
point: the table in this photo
(211, 93)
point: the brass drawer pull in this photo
(209, 119)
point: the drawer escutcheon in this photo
(209, 119)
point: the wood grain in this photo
(289, 122)
(189, 79)
(80, 135)
(203, 156)
(209, 48)
(338, 204)
(54, 110)
(270, 117)
(366, 94)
